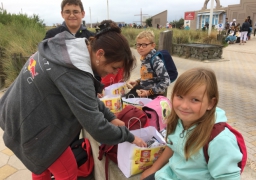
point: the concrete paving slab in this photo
(6, 171)
(20, 175)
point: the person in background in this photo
(207, 25)
(249, 20)
(249, 33)
(194, 112)
(204, 28)
(167, 25)
(154, 80)
(250, 28)
(233, 23)
(238, 35)
(237, 27)
(227, 26)
(55, 96)
(245, 28)
(187, 27)
(113, 78)
(72, 11)
(231, 38)
(254, 28)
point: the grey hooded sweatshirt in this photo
(52, 99)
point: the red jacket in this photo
(112, 78)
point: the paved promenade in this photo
(236, 74)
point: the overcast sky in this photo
(127, 11)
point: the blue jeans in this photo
(231, 38)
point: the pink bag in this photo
(158, 110)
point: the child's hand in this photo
(142, 93)
(131, 84)
(139, 142)
(100, 95)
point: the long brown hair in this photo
(187, 82)
(115, 46)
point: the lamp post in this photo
(90, 16)
(211, 15)
(107, 10)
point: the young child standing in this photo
(194, 112)
(153, 82)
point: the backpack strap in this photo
(241, 145)
(158, 53)
(217, 129)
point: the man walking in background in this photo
(254, 28)
(227, 26)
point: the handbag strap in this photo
(106, 166)
(137, 119)
(101, 153)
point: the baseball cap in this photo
(234, 19)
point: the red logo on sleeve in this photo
(32, 67)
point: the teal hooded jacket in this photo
(224, 155)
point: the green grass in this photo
(21, 34)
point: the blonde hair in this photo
(186, 83)
(148, 34)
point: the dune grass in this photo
(20, 34)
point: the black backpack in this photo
(165, 56)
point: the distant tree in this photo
(178, 23)
(149, 22)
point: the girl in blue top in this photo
(194, 112)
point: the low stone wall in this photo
(198, 51)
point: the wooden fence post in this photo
(165, 41)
